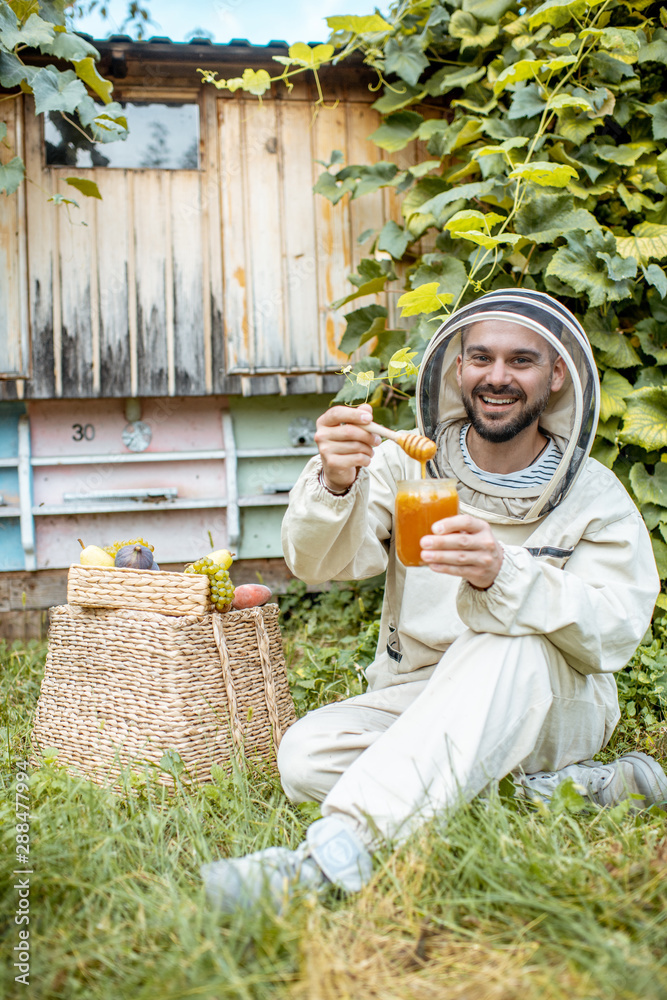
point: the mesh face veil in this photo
(572, 412)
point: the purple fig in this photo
(134, 557)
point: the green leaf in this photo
(304, 55)
(401, 363)
(393, 239)
(359, 322)
(625, 155)
(579, 266)
(614, 390)
(464, 26)
(649, 488)
(619, 268)
(56, 91)
(446, 138)
(645, 422)
(358, 25)
(449, 78)
(652, 339)
(547, 216)
(656, 276)
(545, 174)
(660, 554)
(10, 33)
(424, 299)
(73, 48)
(11, 175)
(440, 201)
(471, 219)
(397, 130)
(13, 71)
(397, 97)
(524, 69)
(490, 11)
(327, 185)
(605, 452)
(256, 82)
(449, 273)
(87, 71)
(658, 113)
(560, 12)
(527, 102)
(404, 56)
(35, 33)
(648, 240)
(351, 391)
(86, 187)
(373, 287)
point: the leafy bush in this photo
(642, 686)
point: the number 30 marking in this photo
(83, 432)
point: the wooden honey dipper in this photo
(414, 445)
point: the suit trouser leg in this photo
(493, 704)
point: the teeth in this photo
(498, 402)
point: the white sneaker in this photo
(331, 853)
(634, 773)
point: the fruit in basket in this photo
(250, 595)
(221, 557)
(222, 588)
(136, 556)
(117, 546)
(93, 555)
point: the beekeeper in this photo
(497, 655)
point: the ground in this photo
(503, 901)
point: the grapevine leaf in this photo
(545, 174)
(35, 33)
(359, 322)
(619, 267)
(398, 97)
(516, 142)
(526, 102)
(648, 240)
(11, 175)
(405, 57)
(366, 378)
(658, 113)
(358, 25)
(86, 187)
(401, 363)
(13, 71)
(397, 130)
(488, 10)
(393, 239)
(649, 488)
(562, 101)
(486, 241)
(10, 32)
(87, 71)
(464, 26)
(656, 276)
(449, 78)
(524, 69)
(546, 217)
(652, 339)
(67, 45)
(560, 12)
(579, 266)
(435, 205)
(256, 82)
(424, 299)
(303, 55)
(470, 219)
(660, 553)
(616, 350)
(605, 452)
(645, 422)
(372, 287)
(613, 392)
(449, 272)
(56, 91)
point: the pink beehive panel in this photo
(178, 536)
(63, 427)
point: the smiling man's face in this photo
(506, 374)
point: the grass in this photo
(505, 901)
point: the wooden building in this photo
(165, 351)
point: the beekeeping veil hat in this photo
(570, 417)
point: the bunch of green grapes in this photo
(112, 550)
(222, 588)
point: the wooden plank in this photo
(113, 243)
(12, 359)
(40, 248)
(212, 234)
(334, 258)
(237, 295)
(150, 283)
(187, 248)
(301, 343)
(76, 249)
(366, 212)
(264, 229)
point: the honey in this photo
(419, 504)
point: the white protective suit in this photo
(468, 685)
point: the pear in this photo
(93, 555)
(221, 557)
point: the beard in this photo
(485, 425)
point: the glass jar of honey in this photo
(419, 504)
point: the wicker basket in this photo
(140, 589)
(122, 687)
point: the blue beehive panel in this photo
(11, 550)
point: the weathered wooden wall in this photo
(196, 282)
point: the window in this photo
(161, 136)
